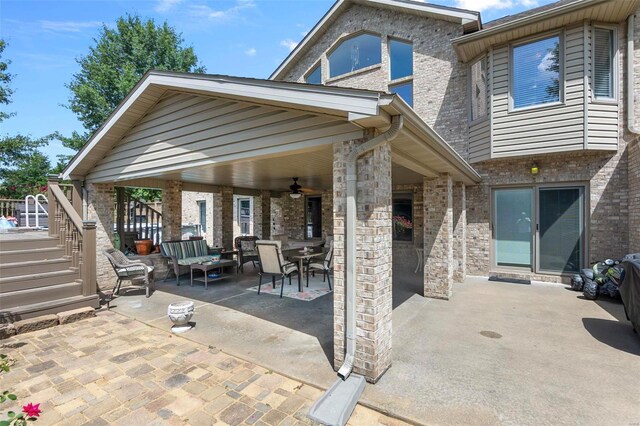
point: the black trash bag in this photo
(590, 289)
(610, 289)
(577, 283)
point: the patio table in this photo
(207, 267)
(301, 256)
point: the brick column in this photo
(634, 194)
(438, 237)
(101, 209)
(459, 232)
(216, 223)
(264, 206)
(172, 211)
(373, 262)
(327, 213)
(227, 217)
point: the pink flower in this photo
(32, 410)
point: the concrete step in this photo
(16, 269)
(36, 281)
(28, 244)
(31, 254)
(30, 299)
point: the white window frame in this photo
(406, 77)
(614, 67)
(484, 57)
(561, 77)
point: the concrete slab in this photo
(496, 353)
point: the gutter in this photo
(631, 118)
(350, 236)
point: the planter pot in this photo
(143, 247)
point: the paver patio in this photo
(115, 370)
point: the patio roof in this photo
(250, 133)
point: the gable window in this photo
(478, 82)
(405, 91)
(402, 217)
(355, 53)
(315, 76)
(603, 62)
(401, 53)
(536, 73)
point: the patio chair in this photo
(246, 246)
(325, 266)
(127, 269)
(272, 263)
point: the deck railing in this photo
(9, 207)
(136, 216)
(78, 237)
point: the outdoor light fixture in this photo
(535, 169)
(295, 189)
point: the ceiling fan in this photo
(295, 189)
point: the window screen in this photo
(536, 73)
(315, 76)
(478, 88)
(401, 53)
(355, 53)
(603, 63)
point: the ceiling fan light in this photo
(295, 195)
(295, 189)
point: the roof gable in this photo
(469, 19)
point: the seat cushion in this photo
(133, 271)
(289, 268)
(196, 259)
(315, 265)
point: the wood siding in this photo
(575, 124)
(183, 130)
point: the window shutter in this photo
(603, 63)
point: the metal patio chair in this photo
(272, 263)
(325, 266)
(126, 269)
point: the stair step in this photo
(28, 244)
(35, 281)
(42, 295)
(16, 269)
(31, 254)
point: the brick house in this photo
(508, 149)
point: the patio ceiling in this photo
(251, 133)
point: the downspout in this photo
(350, 237)
(631, 124)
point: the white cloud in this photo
(546, 63)
(482, 5)
(251, 51)
(68, 26)
(166, 5)
(204, 11)
(289, 44)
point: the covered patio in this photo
(226, 136)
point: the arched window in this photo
(355, 53)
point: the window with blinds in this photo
(478, 81)
(603, 63)
(536, 73)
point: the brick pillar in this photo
(634, 194)
(438, 237)
(216, 223)
(459, 232)
(172, 211)
(373, 262)
(327, 213)
(264, 205)
(227, 217)
(101, 208)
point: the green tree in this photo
(23, 169)
(553, 89)
(119, 58)
(5, 80)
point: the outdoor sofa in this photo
(184, 253)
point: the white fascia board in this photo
(294, 94)
(96, 137)
(459, 15)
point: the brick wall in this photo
(438, 237)
(101, 208)
(172, 211)
(634, 150)
(327, 213)
(191, 211)
(440, 85)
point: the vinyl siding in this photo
(479, 140)
(602, 116)
(546, 129)
(183, 131)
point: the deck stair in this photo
(37, 278)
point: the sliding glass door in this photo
(539, 228)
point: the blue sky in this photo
(237, 37)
